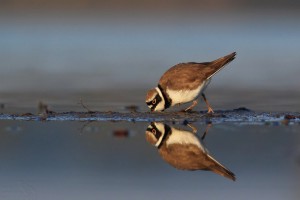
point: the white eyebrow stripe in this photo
(160, 93)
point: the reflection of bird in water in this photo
(183, 150)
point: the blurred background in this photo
(109, 53)
(76, 45)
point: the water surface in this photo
(106, 160)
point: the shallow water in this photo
(106, 160)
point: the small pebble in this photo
(121, 133)
(289, 117)
(285, 122)
(26, 114)
(42, 107)
(132, 108)
(242, 109)
(208, 122)
(185, 122)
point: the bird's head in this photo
(155, 100)
(155, 133)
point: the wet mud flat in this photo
(239, 115)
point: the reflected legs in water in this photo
(208, 126)
(194, 129)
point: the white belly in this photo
(183, 137)
(184, 96)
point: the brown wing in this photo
(185, 157)
(191, 157)
(184, 76)
(190, 75)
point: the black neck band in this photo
(168, 101)
(167, 132)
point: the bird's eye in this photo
(154, 101)
(154, 131)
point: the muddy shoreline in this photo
(239, 115)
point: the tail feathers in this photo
(225, 60)
(218, 64)
(218, 168)
(224, 172)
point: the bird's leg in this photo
(206, 130)
(191, 106)
(193, 128)
(210, 110)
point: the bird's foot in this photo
(188, 110)
(210, 110)
(194, 129)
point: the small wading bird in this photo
(183, 83)
(183, 150)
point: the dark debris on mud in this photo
(239, 115)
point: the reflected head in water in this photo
(183, 150)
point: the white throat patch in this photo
(161, 105)
(161, 128)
